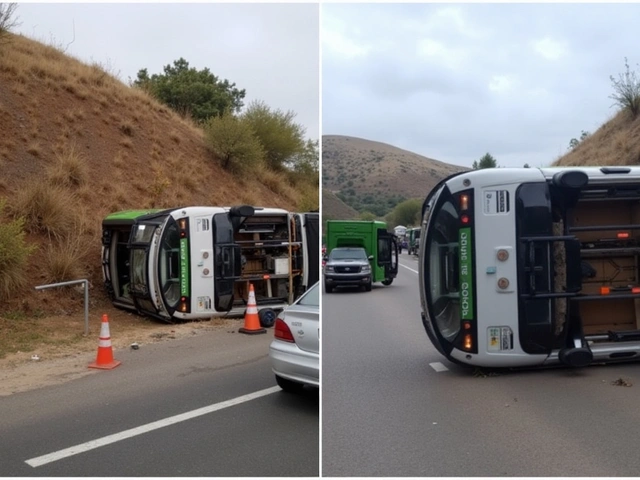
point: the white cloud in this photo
(549, 48)
(342, 45)
(501, 83)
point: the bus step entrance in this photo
(624, 336)
(578, 354)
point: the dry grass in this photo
(47, 209)
(66, 260)
(69, 168)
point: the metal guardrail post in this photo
(86, 297)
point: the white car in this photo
(295, 349)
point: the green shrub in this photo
(14, 254)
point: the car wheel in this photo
(267, 317)
(387, 281)
(327, 288)
(367, 287)
(289, 385)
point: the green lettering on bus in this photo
(466, 274)
(184, 267)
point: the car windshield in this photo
(348, 253)
(312, 297)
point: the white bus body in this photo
(525, 267)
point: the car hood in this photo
(348, 261)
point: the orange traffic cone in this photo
(251, 320)
(105, 359)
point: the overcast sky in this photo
(455, 81)
(270, 50)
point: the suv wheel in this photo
(327, 288)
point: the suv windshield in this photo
(348, 254)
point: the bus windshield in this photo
(442, 250)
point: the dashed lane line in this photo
(438, 367)
(116, 437)
(414, 271)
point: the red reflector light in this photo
(464, 219)
(467, 326)
(266, 277)
(282, 332)
(623, 234)
(605, 290)
(635, 290)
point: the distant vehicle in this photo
(348, 267)
(381, 246)
(400, 230)
(533, 266)
(198, 262)
(413, 242)
(295, 349)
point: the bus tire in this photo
(267, 317)
(387, 281)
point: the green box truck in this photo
(380, 245)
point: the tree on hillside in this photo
(8, 20)
(487, 161)
(232, 140)
(574, 142)
(407, 212)
(627, 90)
(199, 94)
(282, 139)
(367, 216)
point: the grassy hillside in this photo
(616, 142)
(77, 144)
(335, 209)
(373, 176)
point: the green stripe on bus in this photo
(466, 274)
(184, 267)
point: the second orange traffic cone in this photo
(251, 319)
(105, 358)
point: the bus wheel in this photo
(387, 281)
(267, 317)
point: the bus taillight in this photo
(464, 202)
(623, 235)
(468, 342)
(464, 219)
(184, 305)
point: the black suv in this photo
(347, 266)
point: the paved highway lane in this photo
(191, 404)
(393, 406)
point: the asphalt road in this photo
(201, 406)
(393, 406)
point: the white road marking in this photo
(438, 367)
(414, 271)
(116, 437)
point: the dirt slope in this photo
(129, 152)
(357, 168)
(616, 142)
